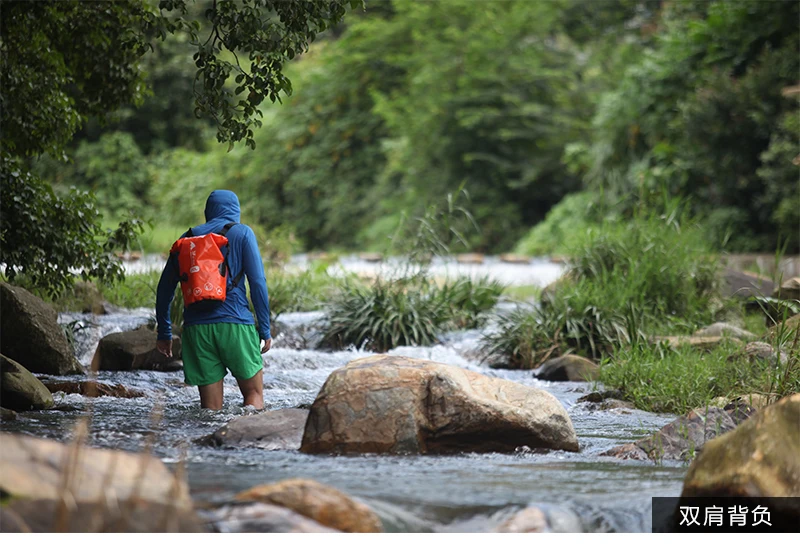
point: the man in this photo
(220, 335)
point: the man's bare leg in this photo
(211, 396)
(253, 390)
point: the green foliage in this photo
(564, 226)
(304, 291)
(653, 274)
(704, 114)
(43, 236)
(661, 379)
(409, 311)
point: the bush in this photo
(650, 275)
(305, 291)
(410, 311)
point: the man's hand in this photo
(165, 347)
(267, 346)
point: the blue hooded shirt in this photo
(222, 207)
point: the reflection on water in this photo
(470, 492)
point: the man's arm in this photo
(164, 295)
(254, 270)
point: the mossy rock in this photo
(30, 333)
(757, 459)
(19, 389)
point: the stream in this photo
(460, 493)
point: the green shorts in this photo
(209, 349)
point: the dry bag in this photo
(203, 266)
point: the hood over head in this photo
(223, 204)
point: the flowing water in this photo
(468, 492)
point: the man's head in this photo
(223, 204)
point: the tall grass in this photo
(653, 274)
(409, 311)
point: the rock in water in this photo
(30, 334)
(132, 350)
(261, 518)
(568, 368)
(760, 458)
(7, 414)
(322, 503)
(131, 516)
(686, 436)
(93, 389)
(19, 389)
(270, 430)
(393, 404)
(34, 468)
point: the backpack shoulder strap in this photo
(189, 233)
(238, 277)
(226, 228)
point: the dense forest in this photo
(550, 116)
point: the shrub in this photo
(409, 311)
(652, 274)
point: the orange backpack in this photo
(202, 266)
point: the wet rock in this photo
(93, 389)
(7, 414)
(721, 329)
(745, 285)
(757, 459)
(270, 430)
(540, 520)
(568, 368)
(700, 343)
(261, 518)
(131, 350)
(30, 334)
(758, 351)
(34, 468)
(19, 389)
(371, 257)
(393, 404)
(513, 258)
(756, 401)
(470, 258)
(789, 290)
(90, 296)
(686, 436)
(322, 503)
(597, 397)
(131, 516)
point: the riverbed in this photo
(462, 493)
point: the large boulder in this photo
(686, 436)
(789, 290)
(261, 518)
(34, 468)
(131, 350)
(721, 329)
(760, 458)
(322, 503)
(30, 334)
(93, 389)
(393, 404)
(568, 368)
(698, 343)
(103, 516)
(745, 285)
(270, 430)
(19, 389)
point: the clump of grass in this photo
(661, 379)
(466, 300)
(409, 311)
(652, 274)
(304, 291)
